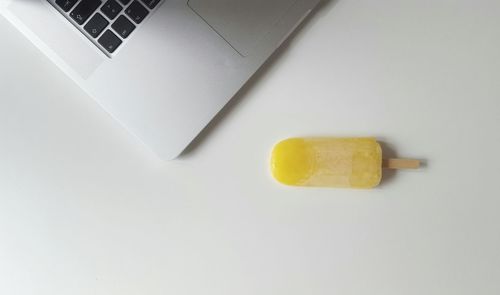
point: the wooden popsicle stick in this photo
(400, 164)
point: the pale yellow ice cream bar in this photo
(332, 162)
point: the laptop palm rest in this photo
(44, 23)
(242, 23)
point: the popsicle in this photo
(332, 162)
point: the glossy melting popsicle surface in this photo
(328, 162)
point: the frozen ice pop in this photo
(332, 162)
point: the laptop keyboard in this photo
(107, 23)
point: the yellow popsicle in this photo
(331, 162)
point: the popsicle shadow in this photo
(324, 5)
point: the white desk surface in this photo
(85, 209)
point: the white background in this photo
(86, 209)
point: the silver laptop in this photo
(163, 68)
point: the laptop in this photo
(162, 68)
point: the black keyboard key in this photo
(137, 12)
(66, 5)
(111, 9)
(96, 25)
(83, 10)
(124, 2)
(109, 41)
(151, 3)
(123, 26)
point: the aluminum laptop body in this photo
(163, 68)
